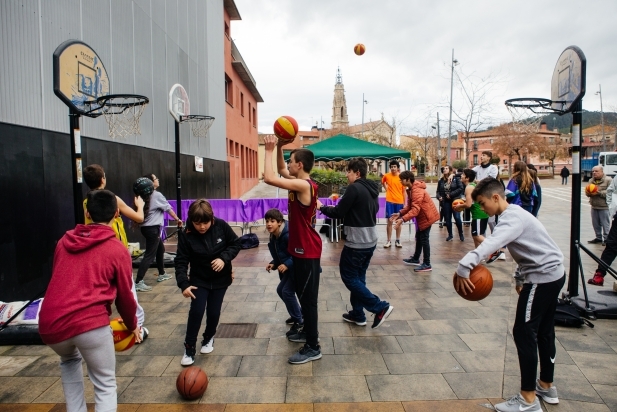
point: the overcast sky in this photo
(293, 49)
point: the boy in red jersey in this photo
(304, 241)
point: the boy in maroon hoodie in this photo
(91, 269)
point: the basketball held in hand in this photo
(482, 279)
(124, 339)
(591, 188)
(192, 383)
(458, 202)
(286, 128)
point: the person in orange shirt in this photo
(395, 199)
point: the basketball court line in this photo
(563, 195)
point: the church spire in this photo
(339, 105)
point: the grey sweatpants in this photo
(601, 221)
(97, 349)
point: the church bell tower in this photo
(339, 105)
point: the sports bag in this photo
(568, 315)
(249, 241)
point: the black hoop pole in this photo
(575, 216)
(178, 174)
(76, 166)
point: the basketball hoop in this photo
(122, 112)
(199, 124)
(523, 121)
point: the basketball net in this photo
(524, 120)
(122, 115)
(199, 124)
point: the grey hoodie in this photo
(539, 258)
(359, 207)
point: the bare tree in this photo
(514, 140)
(554, 148)
(474, 111)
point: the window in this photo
(229, 91)
(227, 30)
(505, 161)
(491, 141)
(242, 161)
(254, 115)
(611, 159)
(250, 112)
(475, 160)
(237, 151)
(242, 103)
(475, 145)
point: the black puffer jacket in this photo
(199, 251)
(456, 189)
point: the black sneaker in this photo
(290, 321)
(295, 328)
(411, 261)
(299, 337)
(381, 316)
(425, 267)
(305, 354)
(462, 238)
(595, 241)
(348, 317)
(449, 238)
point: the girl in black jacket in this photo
(450, 188)
(208, 245)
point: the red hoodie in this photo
(91, 269)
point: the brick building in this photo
(241, 96)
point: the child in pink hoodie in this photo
(91, 269)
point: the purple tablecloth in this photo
(236, 210)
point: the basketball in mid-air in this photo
(483, 282)
(591, 188)
(192, 382)
(359, 49)
(286, 128)
(458, 202)
(123, 338)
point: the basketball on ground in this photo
(286, 128)
(192, 382)
(591, 188)
(359, 49)
(458, 202)
(482, 279)
(123, 338)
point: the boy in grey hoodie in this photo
(542, 276)
(359, 208)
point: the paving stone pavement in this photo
(435, 352)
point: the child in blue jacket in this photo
(282, 261)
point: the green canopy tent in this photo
(343, 147)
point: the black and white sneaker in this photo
(348, 317)
(295, 329)
(290, 321)
(411, 261)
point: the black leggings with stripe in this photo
(534, 331)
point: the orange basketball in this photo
(286, 128)
(483, 282)
(591, 188)
(192, 382)
(359, 49)
(458, 202)
(123, 338)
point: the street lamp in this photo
(454, 62)
(599, 92)
(363, 103)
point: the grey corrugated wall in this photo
(146, 47)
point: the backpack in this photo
(567, 315)
(249, 241)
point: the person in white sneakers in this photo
(207, 246)
(395, 200)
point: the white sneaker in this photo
(502, 256)
(398, 244)
(388, 244)
(144, 333)
(207, 347)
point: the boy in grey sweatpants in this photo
(542, 276)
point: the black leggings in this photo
(306, 277)
(208, 301)
(534, 331)
(154, 249)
